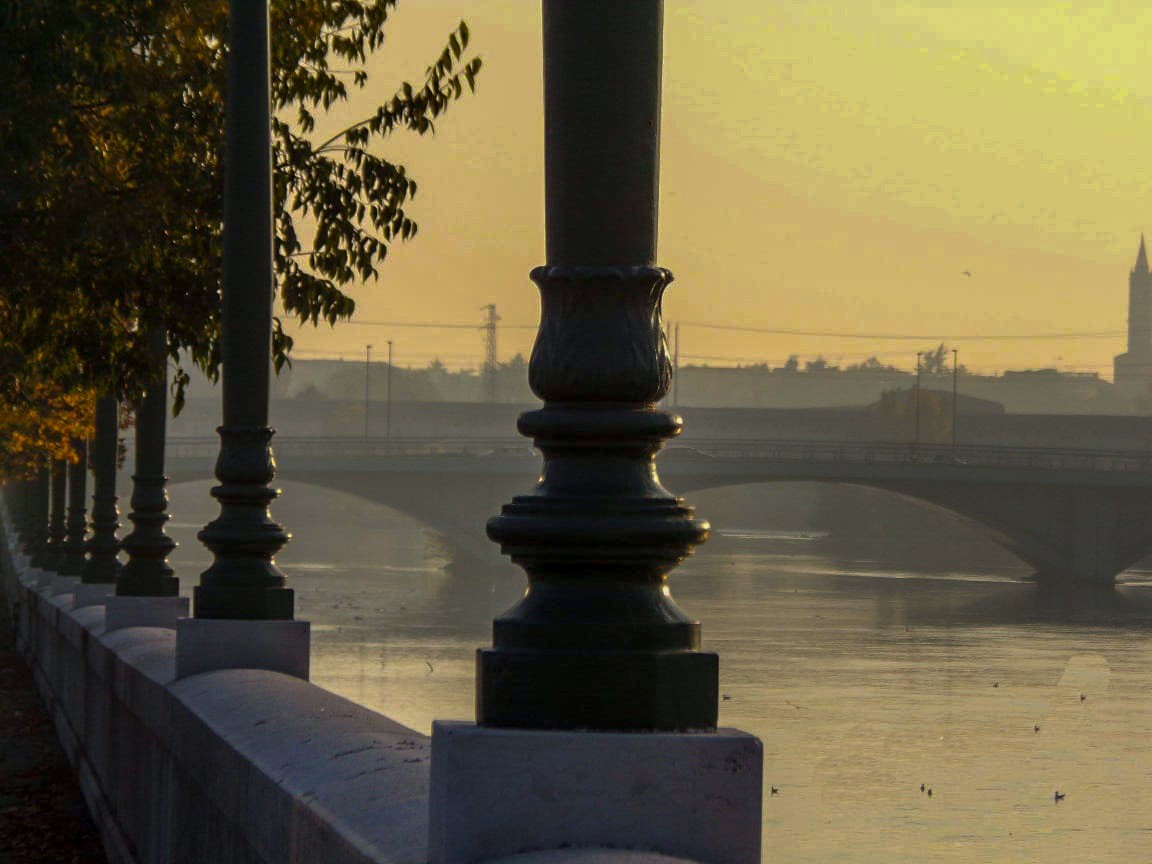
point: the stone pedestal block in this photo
(208, 644)
(92, 594)
(63, 585)
(499, 792)
(121, 612)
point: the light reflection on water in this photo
(862, 680)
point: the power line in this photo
(778, 331)
(784, 331)
(439, 325)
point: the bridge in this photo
(1071, 514)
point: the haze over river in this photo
(863, 676)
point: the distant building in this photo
(1133, 368)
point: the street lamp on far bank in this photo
(916, 404)
(955, 368)
(367, 384)
(388, 404)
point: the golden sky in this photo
(827, 166)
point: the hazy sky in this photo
(826, 166)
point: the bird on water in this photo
(1058, 796)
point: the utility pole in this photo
(955, 368)
(916, 399)
(367, 383)
(388, 410)
(491, 366)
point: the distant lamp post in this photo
(102, 566)
(955, 368)
(367, 384)
(388, 404)
(57, 520)
(916, 404)
(75, 551)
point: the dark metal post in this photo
(916, 401)
(36, 533)
(75, 550)
(597, 642)
(367, 384)
(103, 565)
(388, 405)
(243, 581)
(147, 572)
(57, 529)
(955, 367)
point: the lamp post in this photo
(57, 525)
(75, 551)
(593, 674)
(102, 565)
(243, 607)
(388, 405)
(147, 572)
(37, 536)
(367, 384)
(916, 407)
(955, 368)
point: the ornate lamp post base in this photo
(497, 792)
(550, 690)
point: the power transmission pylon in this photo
(491, 362)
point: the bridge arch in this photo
(1084, 534)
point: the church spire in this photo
(1141, 258)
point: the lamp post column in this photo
(75, 550)
(147, 587)
(37, 535)
(57, 528)
(388, 406)
(367, 385)
(916, 407)
(147, 572)
(955, 368)
(99, 575)
(243, 607)
(594, 674)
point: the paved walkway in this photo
(43, 819)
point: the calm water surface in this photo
(862, 680)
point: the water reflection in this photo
(864, 677)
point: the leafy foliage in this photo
(111, 176)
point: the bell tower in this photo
(1133, 368)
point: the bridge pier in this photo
(1095, 538)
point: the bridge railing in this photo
(798, 451)
(856, 452)
(359, 446)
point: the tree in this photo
(872, 364)
(820, 365)
(934, 362)
(111, 161)
(792, 364)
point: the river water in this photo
(863, 678)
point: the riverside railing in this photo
(792, 451)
